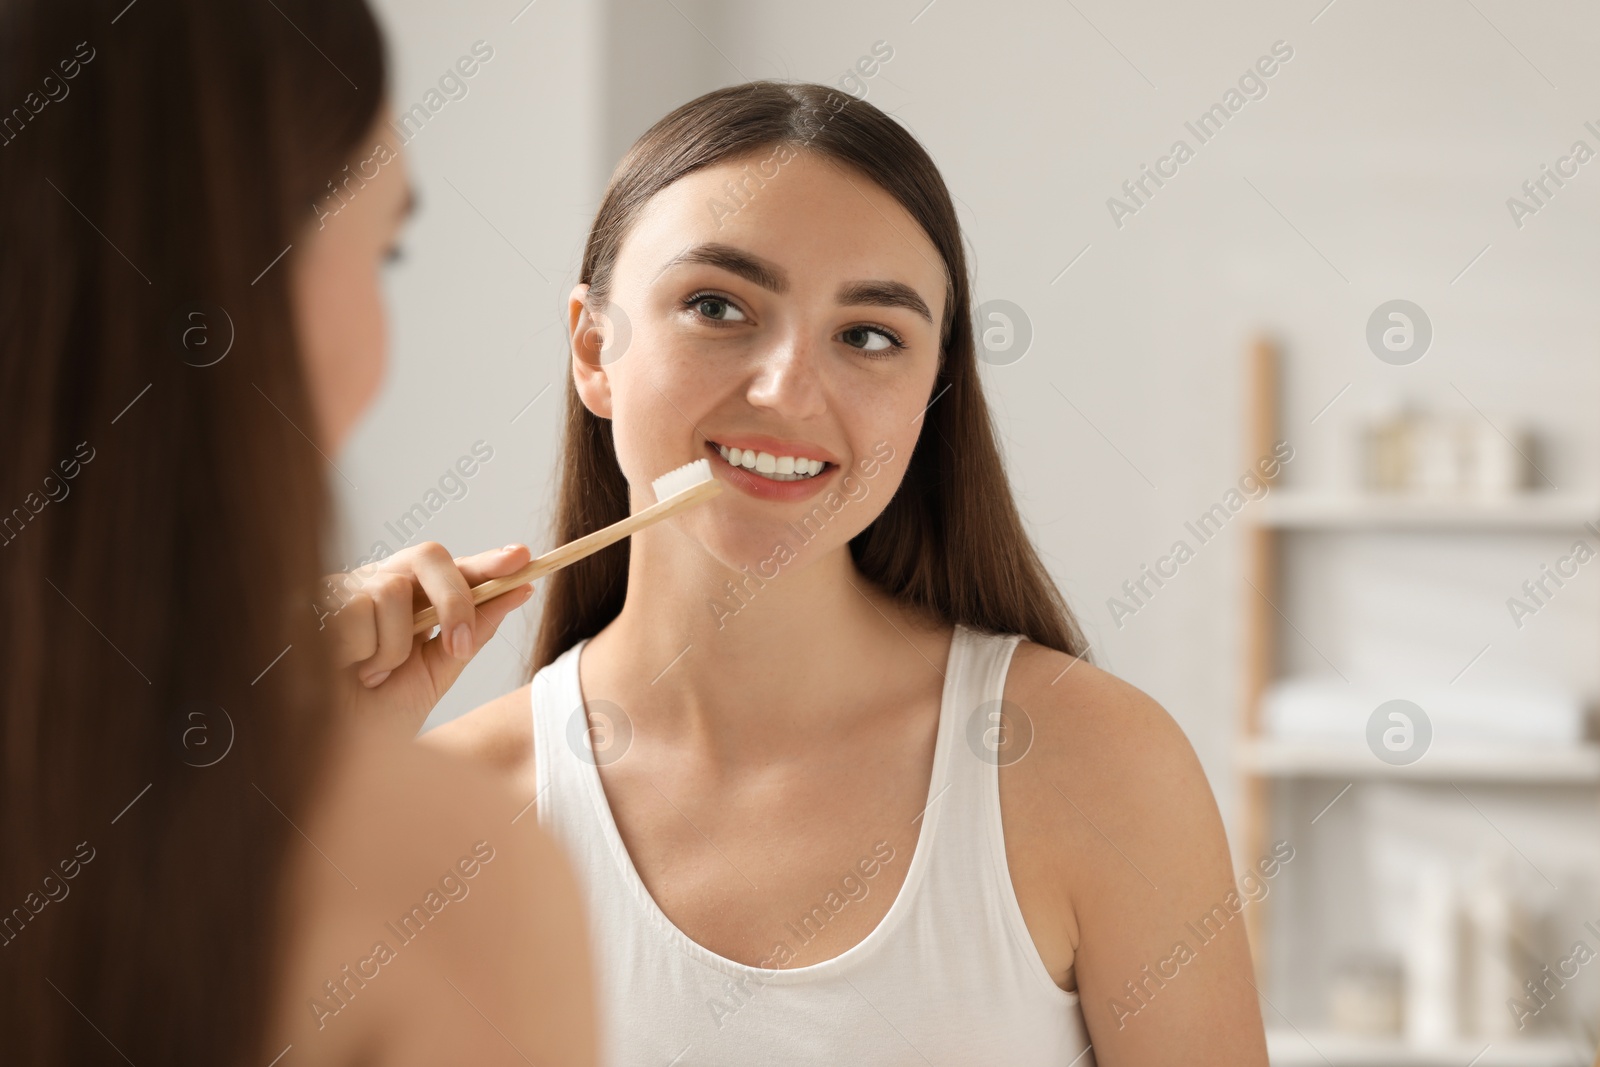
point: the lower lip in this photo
(766, 488)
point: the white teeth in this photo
(777, 468)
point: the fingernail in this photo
(376, 679)
(461, 640)
(510, 548)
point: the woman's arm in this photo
(1135, 868)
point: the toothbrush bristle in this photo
(685, 477)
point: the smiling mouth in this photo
(773, 468)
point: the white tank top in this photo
(949, 975)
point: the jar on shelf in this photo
(1364, 996)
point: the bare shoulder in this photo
(1108, 763)
(441, 783)
(1086, 717)
(401, 841)
(1122, 852)
(498, 735)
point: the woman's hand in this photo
(384, 670)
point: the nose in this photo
(789, 380)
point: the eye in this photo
(875, 340)
(394, 255)
(714, 307)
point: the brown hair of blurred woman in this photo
(161, 511)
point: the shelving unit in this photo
(1286, 1048)
(1372, 511)
(1477, 763)
(1266, 763)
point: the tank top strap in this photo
(969, 876)
(983, 731)
(567, 748)
(549, 698)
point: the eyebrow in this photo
(752, 268)
(770, 276)
(409, 207)
(885, 294)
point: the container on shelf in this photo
(1432, 961)
(1364, 996)
(1497, 927)
(1408, 450)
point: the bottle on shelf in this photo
(1497, 927)
(1432, 961)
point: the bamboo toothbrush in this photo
(676, 491)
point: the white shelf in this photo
(1482, 763)
(1304, 509)
(1311, 1048)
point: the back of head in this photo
(161, 507)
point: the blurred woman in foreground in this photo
(220, 844)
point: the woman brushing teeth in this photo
(912, 681)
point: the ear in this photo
(586, 333)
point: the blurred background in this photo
(1368, 273)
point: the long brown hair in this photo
(161, 514)
(950, 539)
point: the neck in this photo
(762, 656)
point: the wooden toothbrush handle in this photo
(573, 551)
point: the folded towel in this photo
(1330, 707)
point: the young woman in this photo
(837, 777)
(211, 814)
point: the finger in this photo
(391, 598)
(447, 590)
(351, 628)
(495, 563)
(491, 613)
(444, 668)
